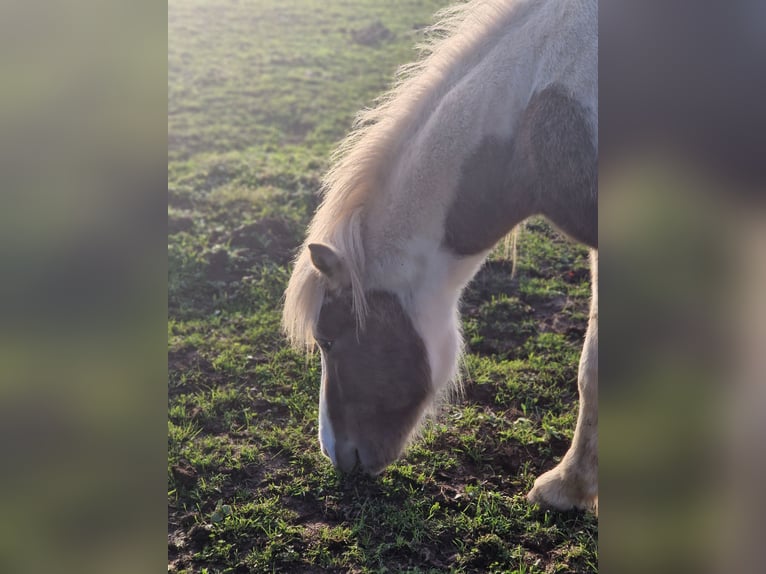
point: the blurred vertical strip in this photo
(83, 104)
(683, 277)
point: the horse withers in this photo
(496, 123)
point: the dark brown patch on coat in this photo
(549, 168)
(378, 381)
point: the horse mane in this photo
(359, 160)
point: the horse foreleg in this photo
(573, 483)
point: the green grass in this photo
(259, 93)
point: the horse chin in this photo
(373, 464)
(374, 472)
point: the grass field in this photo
(259, 93)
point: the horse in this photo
(497, 122)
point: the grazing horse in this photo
(496, 123)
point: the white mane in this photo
(360, 160)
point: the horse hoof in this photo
(557, 490)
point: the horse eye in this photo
(325, 344)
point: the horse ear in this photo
(330, 264)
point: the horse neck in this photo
(404, 224)
(405, 218)
(456, 142)
(406, 255)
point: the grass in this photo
(259, 93)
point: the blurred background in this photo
(83, 256)
(682, 228)
(83, 152)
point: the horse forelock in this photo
(307, 287)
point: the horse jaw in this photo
(435, 314)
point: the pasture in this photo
(258, 94)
